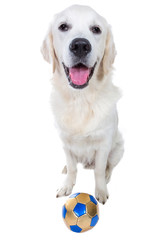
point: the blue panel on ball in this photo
(94, 221)
(80, 209)
(75, 228)
(64, 212)
(74, 195)
(93, 199)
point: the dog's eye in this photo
(95, 29)
(64, 27)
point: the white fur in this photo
(87, 118)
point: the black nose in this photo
(80, 47)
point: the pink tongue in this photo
(79, 76)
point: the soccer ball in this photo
(80, 212)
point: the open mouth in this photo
(79, 75)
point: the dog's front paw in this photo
(67, 186)
(64, 191)
(102, 195)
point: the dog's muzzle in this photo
(79, 74)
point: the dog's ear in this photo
(110, 52)
(47, 49)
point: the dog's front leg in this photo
(101, 191)
(70, 180)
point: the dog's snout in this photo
(80, 47)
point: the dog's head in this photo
(79, 45)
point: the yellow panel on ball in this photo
(86, 229)
(83, 198)
(84, 222)
(70, 204)
(71, 218)
(92, 209)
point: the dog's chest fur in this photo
(83, 121)
(80, 114)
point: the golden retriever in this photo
(80, 47)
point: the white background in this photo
(31, 156)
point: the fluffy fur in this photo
(87, 118)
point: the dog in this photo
(79, 45)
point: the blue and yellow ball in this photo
(80, 212)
